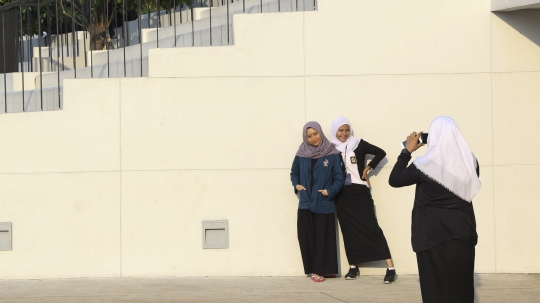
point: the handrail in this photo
(63, 40)
(17, 3)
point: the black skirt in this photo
(447, 272)
(363, 238)
(317, 239)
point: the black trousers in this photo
(446, 272)
(317, 239)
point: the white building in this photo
(117, 184)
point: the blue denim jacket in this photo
(327, 174)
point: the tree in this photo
(93, 16)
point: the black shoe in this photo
(353, 273)
(390, 276)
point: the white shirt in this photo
(351, 166)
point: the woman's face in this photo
(313, 137)
(343, 133)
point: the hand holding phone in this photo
(413, 141)
(422, 139)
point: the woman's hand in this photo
(323, 192)
(412, 142)
(365, 174)
(300, 187)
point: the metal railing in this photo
(51, 40)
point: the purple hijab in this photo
(306, 150)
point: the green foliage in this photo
(69, 14)
(80, 16)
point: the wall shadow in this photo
(374, 264)
(526, 22)
(376, 170)
(477, 283)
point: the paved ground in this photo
(507, 288)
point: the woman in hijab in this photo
(363, 238)
(317, 178)
(443, 223)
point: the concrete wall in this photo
(512, 5)
(117, 184)
(15, 81)
(202, 36)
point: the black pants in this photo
(317, 239)
(446, 272)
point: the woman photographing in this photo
(443, 222)
(363, 238)
(317, 178)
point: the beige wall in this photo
(60, 183)
(118, 185)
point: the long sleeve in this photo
(365, 148)
(438, 215)
(402, 175)
(295, 173)
(337, 178)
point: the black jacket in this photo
(438, 215)
(364, 148)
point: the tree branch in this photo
(71, 17)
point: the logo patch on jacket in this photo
(325, 162)
(353, 160)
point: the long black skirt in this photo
(447, 272)
(363, 238)
(317, 239)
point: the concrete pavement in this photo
(490, 288)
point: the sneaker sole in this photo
(388, 282)
(352, 278)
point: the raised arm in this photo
(402, 175)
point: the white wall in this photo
(126, 177)
(14, 81)
(61, 183)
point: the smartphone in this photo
(422, 139)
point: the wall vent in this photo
(215, 234)
(5, 236)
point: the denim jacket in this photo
(327, 174)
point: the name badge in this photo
(353, 160)
(325, 163)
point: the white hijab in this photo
(352, 142)
(448, 160)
